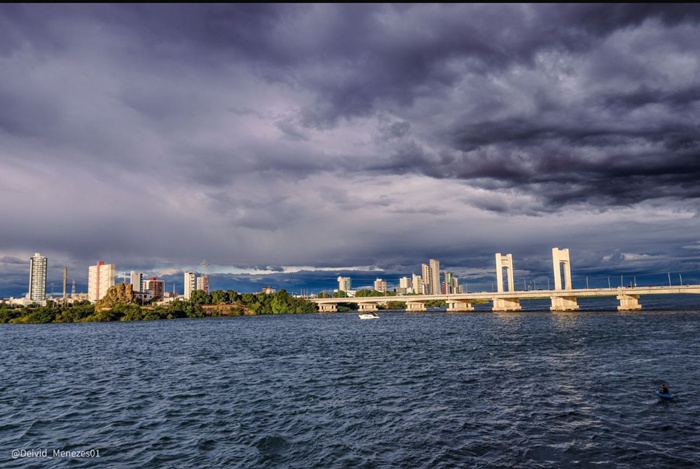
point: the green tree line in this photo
(119, 305)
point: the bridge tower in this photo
(507, 263)
(559, 257)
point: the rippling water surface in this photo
(530, 389)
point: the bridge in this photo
(563, 297)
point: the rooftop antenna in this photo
(204, 267)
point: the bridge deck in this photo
(520, 295)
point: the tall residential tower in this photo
(344, 284)
(101, 278)
(203, 283)
(435, 277)
(137, 281)
(189, 284)
(37, 277)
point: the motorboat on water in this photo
(369, 316)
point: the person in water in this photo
(664, 389)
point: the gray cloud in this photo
(155, 136)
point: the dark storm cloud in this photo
(393, 54)
(346, 134)
(551, 162)
(359, 59)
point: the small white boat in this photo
(369, 316)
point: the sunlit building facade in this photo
(136, 281)
(404, 285)
(426, 276)
(380, 285)
(38, 266)
(203, 283)
(189, 284)
(155, 287)
(434, 277)
(101, 278)
(344, 284)
(417, 284)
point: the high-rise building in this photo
(344, 284)
(37, 277)
(101, 278)
(136, 281)
(418, 286)
(380, 285)
(455, 285)
(203, 283)
(426, 276)
(434, 277)
(447, 284)
(189, 284)
(156, 287)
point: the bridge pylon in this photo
(504, 262)
(559, 257)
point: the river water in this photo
(433, 390)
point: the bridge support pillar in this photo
(328, 307)
(561, 257)
(456, 306)
(564, 303)
(415, 306)
(628, 302)
(368, 306)
(507, 263)
(506, 304)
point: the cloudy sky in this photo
(289, 144)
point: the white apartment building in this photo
(136, 281)
(37, 278)
(344, 284)
(101, 278)
(435, 286)
(189, 284)
(417, 284)
(405, 285)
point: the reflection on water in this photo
(565, 320)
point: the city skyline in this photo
(485, 281)
(292, 144)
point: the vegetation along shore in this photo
(120, 304)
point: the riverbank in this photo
(119, 306)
